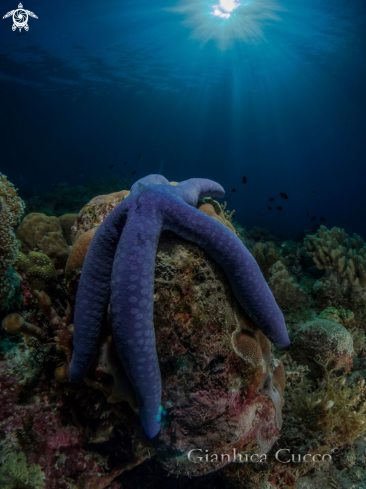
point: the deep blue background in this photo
(97, 83)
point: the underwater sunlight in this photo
(228, 20)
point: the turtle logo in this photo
(20, 18)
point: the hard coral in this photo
(39, 232)
(285, 290)
(222, 389)
(39, 269)
(342, 257)
(212, 208)
(94, 213)
(11, 210)
(77, 255)
(67, 222)
(266, 256)
(325, 343)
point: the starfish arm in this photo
(93, 291)
(241, 269)
(132, 299)
(195, 189)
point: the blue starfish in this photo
(119, 268)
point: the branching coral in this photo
(266, 256)
(337, 407)
(11, 210)
(286, 291)
(342, 257)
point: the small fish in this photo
(134, 173)
(271, 199)
(322, 219)
(283, 195)
(269, 208)
(261, 215)
(125, 162)
(313, 218)
(233, 189)
(279, 208)
(111, 166)
(227, 198)
(140, 157)
(123, 174)
(307, 213)
(312, 192)
(244, 180)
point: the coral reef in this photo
(95, 211)
(77, 255)
(39, 232)
(326, 343)
(39, 269)
(223, 386)
(266, 256)
(126, 279)
(212, 208)
(67, 222)
(285, 290)
(66, 199)
(258, 235)
(11, 210)
(342, 257)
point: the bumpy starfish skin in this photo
(119, 267)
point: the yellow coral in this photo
(284, 288)
(39, 269)
(11, 210)
(266, 256)
(343, 257)
(39, 232)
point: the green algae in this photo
(16, 472)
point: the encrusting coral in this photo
(342, 257)
(11, 210)
(42, 233)
(39, 269)
(284, 288)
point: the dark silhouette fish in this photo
(268, 207)
(312, 192)
(279, 208)
(125, 162)
(307, 213)
(313, 218)
(271, 199)
(322, 219)
(233, 189)
(283, 195)
(111, 166)
(140, 157)
(134, 173)
(244, 180)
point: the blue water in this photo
(276, 92)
